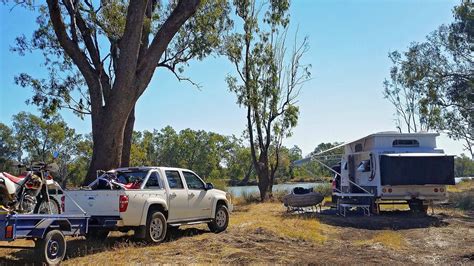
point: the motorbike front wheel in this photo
(51, 207)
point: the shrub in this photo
(247, 198)
(324, 189)
(279, 194)
(463, 200)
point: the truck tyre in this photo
(52, 248)
(221, 220)
(156, 227)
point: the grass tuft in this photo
(389, 239)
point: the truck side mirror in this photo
(209, 186)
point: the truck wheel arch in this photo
(151, 207)
(218, 202)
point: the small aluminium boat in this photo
(301, 197)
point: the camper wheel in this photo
(417, 206)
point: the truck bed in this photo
(93, 202)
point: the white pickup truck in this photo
(154, 199)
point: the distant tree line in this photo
(215, 157)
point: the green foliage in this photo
(330, 158)
(32, 138)
(463, 200)
(432, 84)
(463, 166)
(211, 155)
(324, 189)
(8, 148)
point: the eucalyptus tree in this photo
(268, 81)
(36, 139)
(438, 75)
(101, 56)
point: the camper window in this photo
(405, 143)
(364, 166)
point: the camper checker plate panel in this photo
(417, 170)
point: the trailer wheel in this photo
(156, 227)
(417, 206)
(52, 248)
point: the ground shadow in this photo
(395, 220)
(79, 247)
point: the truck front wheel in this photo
(221, 220)
(156, 227)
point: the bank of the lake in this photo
(237, 191)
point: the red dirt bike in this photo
(28, 193)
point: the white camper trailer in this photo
(390, 166)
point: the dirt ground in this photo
(266, 233)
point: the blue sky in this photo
(349, 42)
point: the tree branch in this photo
(146, 66)
(72, 50)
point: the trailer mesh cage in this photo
(417, 170)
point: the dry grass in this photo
(264, 233)
(271, 217)
(395, 207)
(389, 239)
(464, 185)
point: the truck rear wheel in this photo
(156, 227)
(52, 248)
(221, 220)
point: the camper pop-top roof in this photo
(392, 140)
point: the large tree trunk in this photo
(263, 183)
(263, 176)
(107, 136)
(127, 139)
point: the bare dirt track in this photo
(265, 233)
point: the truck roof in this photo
(147, 168)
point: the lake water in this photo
(237, 191)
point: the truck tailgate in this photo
(93, 202)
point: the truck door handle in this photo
(172, 195)
(191, 195)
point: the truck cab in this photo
(137, 194)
